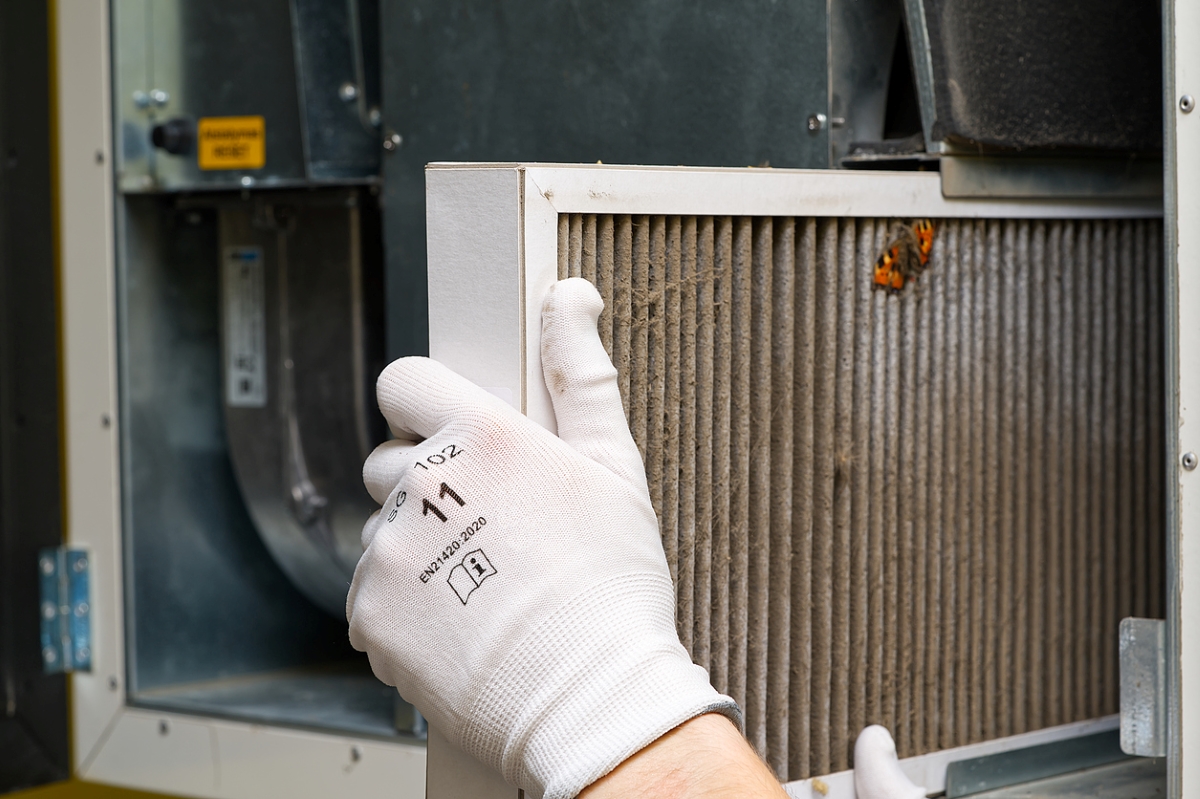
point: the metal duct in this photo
(928, 511)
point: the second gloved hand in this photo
(513, 586)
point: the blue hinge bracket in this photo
(66, 609)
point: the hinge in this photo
(66, 609)
(1143, 687)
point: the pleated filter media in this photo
(927, 510)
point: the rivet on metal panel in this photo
(1187, 103)
(247, 181)
(348, 92)
(375, 116)
(392, 141)
(159, 97)
(815, 122)
(141, 99)
(1189, 460)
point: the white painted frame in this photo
(493, 252)
(1182, 236)
(112, 742)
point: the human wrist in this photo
(704, 757)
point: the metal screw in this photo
(80, 565)
(1189, 460)
(356, 753)
(348, 92)
(815, 122)
(141, 99)
(392, 141)
(163, 727)
(49, 610)
(159, 97)
(247, 181)
(1187, 103)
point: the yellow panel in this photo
(232, 143)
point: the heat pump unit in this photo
(926, 507)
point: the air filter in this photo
(927, 509)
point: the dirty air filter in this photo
(927, 510)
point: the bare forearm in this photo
(704, 757)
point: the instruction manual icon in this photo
(470, 573)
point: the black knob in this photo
(175, 136)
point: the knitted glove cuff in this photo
(599, 680)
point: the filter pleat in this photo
(782, 439)
(858, 458)
(704, 388)
(722, 465)
(803, 427)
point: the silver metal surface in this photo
(980, 774)
(1129, 779)
(196, 573)
(212, 623)
(1189, 460)
(816, 122)
(1143, 687)
(335, 698)
(922, 65)
(1017, 177)
(298, 453)
(862, 36)
(283, 60)
(1187, 103)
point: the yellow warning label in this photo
(232, 142)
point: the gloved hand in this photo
(877, 772)
(513, 586)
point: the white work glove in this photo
(514, 587)
(877, 772)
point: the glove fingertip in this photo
(573, 296)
